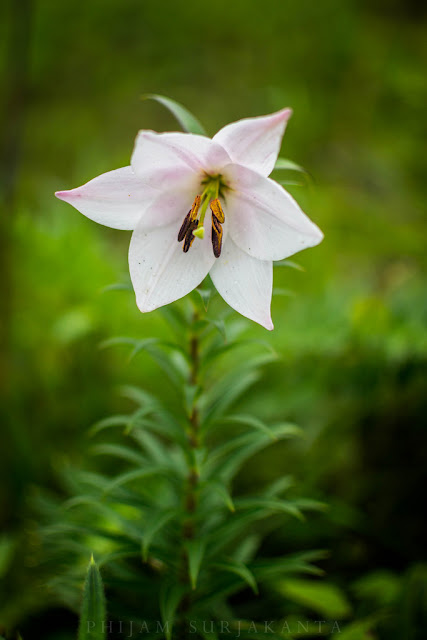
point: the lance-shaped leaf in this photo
(322, 597)
(116, 521)
(284, 163)
(170, 598)
(139, 474)
(289, 263)
(232, 386)
(186, 119)
(175, 369)
(241, 570)
(269, 505)
(220, 489)
(227, 458)
(118, 451)
(156, 523)
(92, 616)
(217, 349)
(250, 421)
(273, 568)
(195, 552)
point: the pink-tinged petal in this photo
(160, 271)
(264, 220)
(170, 207)
(255, 142)
(160, 157)
(115, 199)
(246, 284)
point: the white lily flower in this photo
(249, 219)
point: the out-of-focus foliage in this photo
(351, 332)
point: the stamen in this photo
(217, 210)
(189, 236)
(218, 219)
(190, 217)
(184, 227)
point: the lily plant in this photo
(172, 540)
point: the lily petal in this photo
(160, 271)
(265, 221)
(245, 283)
(255, 142)
(173, 156)
(115, 199)
(170, 207)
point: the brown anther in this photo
(218, 219)
(217, 210)
(189, 218)
(189, 236)
(184, 227)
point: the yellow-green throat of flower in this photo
(192, 227)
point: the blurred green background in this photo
(351, 334)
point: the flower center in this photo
(192, 226)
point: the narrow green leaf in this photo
(247, 549)
(118, 286)
(92, 616)
(190, 393)
(322, 597)
(175, 318)
(361, 629)
(205, 295)
(150, 344)
(117, 341)
(307, 504)
(278, 487)
(153, 346)
(123, 554)
(166, 422)
(154, 526)
(284, 163)
(108, 513)
(250, 421)
(226, 393)
(226, 459)
(152, 446)
(220, 489)
(273, 568)
(209, 323)
(270, 505)
(289, 263)
(195, 553)
(287, 293)
(136, 474)
(111, 421)
(241, 570)
(118, 451)
(170, 598)
(216, 350)
(188, 122)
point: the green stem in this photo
(191, 493)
